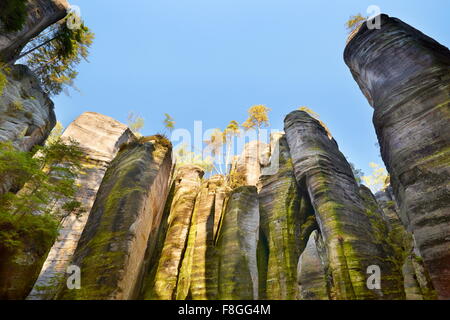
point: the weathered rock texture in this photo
(100, 138)
(163, 283)
(26, 114)
(249, 164)
(312, 277)
(286, 221)
(237, 244)
(124, 222)
(198, 273)
(347, 231)
(405, 76)
(417, 282)
(41, 14)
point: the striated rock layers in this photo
(123, 225)
(100, 137)
(40, 15)
(26, 113)
(405, 76)
(348, 234)
(199, 270)
(287, 218)
(237, 244)
(163, 283)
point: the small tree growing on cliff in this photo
(135, 123)
(316, 116)
(257, 118)
(378, 180)
(54, 54)
(169, 122)
(231, 131)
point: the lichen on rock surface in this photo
(163, 283)
(348, 234)
(124, 222)
(284, 225)
(405, 76)
(237, 246)
(100, 138)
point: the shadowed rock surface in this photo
(26, 114)
(124, 222)
(163, 284)
(346, 229)
(405, 76)
(100, 137)
(40, 15)
(312, 271)
(237, 243)
(285, 226)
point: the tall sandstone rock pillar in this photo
(163, 280)
(123, 225)
(348, 234)
(100, 138)
(286, 222)
(237, 245)
(405, 76)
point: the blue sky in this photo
(211, 60)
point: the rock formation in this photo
(347, 231)
(124, 222)
(40, 15)
(237, 243)
(286, 221)
(162, 285)
(26, 113)
(100, 138)
(405, 76)
(198, 272)
(312, 277)
(251, 161)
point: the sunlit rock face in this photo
(162, 281)
(122, 228)
(344, 220)
(40, 15)
(251, 161)
(286, 221)
(26, 113)
(100, 138)
(405, 76)
(199, 270)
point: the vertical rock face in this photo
(100, 137)
(123, 222)
(249, 163)
(40, 15)
(346, 229)
(237, 244)
(417, 282)
(187, 185)
(284, 226)
(312, 271)
(26, 113)
(198, 274)
(405, 76)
